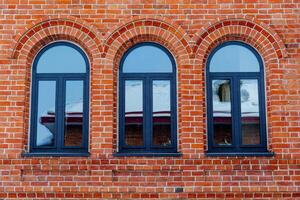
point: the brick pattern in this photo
(190, 29)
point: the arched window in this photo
(147, 100)
(235, 100)
(59, 106)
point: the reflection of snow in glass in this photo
(133, 96)
(46, 124)
(161, 97)
(46, 100)
(249, 105)
(45, 130)
(75, 107)
(249, 97)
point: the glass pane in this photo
(250, 111)
(73, 113)
(46, 113)
(61, 59)
(134, 113)
(234, 58)
(147, 58)
(161, 116)
(222, 118)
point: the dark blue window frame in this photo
(60, 79)
(237, 148)
(147, 78)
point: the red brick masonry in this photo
(190, 29)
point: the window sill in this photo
(239, 154)
(48, 154)
(147, 154)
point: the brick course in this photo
(190, 29)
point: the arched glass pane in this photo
(234, 58)
(147, 59)
(61, 58)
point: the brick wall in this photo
(190, 29)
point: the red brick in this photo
(190, 30)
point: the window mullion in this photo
(147, 112)
(236, 112)
(60, 112)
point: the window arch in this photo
(147, 100)
(59, 106)
(235, 100)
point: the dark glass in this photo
(73, 113)
(61, 59)
(46, 130)
(222, 117)
(250, 118)
(161, 116)
(234, 58)
(147, 59)
(134, 113)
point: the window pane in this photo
(250, 111)
(222, 118)
(147, 58)
(234, 58)
(161, 116)
(73, 113)
(134, 113)
(46, 113)
(61, 59)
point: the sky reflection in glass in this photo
(46, 113)
(147, 59)
(61, 59)
(234, 58)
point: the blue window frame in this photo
(59, 106)
(147, 101)
(236, 101)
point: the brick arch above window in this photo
(262, 36)
(144, 38)
(157, 27)
(46, 30)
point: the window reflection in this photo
(250, 111)
(146, 59)
(161, 116)
(222, 118)
(234, 58)
(134, 112)
(46, 129)
(73, 113)
(61, 59)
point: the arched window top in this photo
(234, 57)
(61, 57)
(147, 58)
